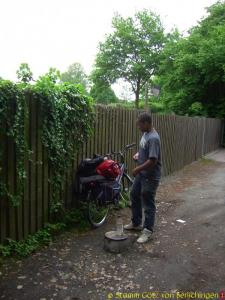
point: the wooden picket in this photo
(183, 140)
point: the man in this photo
(147, 176)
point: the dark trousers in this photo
(143, 195)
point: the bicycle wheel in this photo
(97, 211)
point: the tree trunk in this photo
(137, 94)
(146, 96)
(147, 104)
(137, 100)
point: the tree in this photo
(53, 75)
(103, 94)
(192, 72)
(24, 73)
(75, 74)
(131, 52)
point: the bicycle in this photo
(101, 193)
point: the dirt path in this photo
(182, 257)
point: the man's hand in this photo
(136, 156)
(150, 163)
(135, 171)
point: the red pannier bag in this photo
(109, 169)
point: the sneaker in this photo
(131, 226)
(145, 236)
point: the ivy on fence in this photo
(12, 115)
(67, 118)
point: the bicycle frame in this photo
(123, 173)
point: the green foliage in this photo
(75, 74)
(196, 109)
(154, 106)
(158, 107)
(124, 200)
(71, 219)
(205, 160)
(131, 52)
(13, 111)
(24, 73)
(77, 218)
(53, 75)
(102, 93)
(193, 68)
(67, 117)
(24, 248)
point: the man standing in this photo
(147, 176)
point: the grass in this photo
(206, 160)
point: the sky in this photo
(58, 33)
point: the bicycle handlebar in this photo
(130, 146)
(121, 152)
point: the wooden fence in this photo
(183, 139)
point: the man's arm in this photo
(148, 164)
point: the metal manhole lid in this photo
(113, 235)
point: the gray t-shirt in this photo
(150, 148)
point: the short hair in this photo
(144, 117)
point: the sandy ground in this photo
(183, 257)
